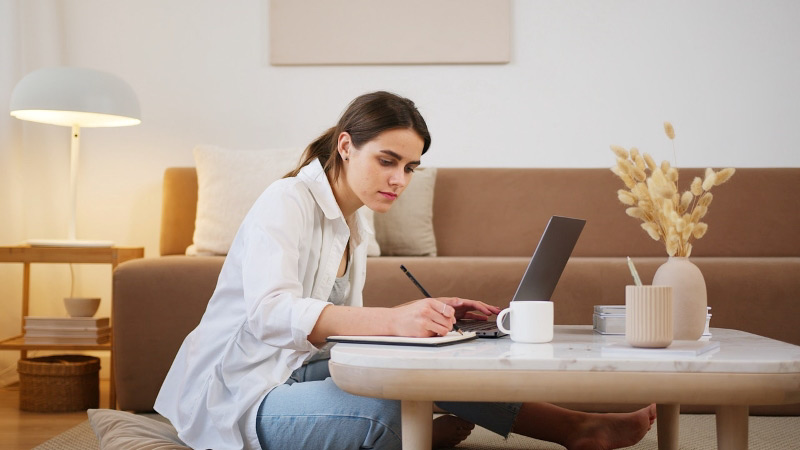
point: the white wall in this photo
(584, 74)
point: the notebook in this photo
(452, 337)
(543, 271)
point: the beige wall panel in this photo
(308, 32)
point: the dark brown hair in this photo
(364, 119)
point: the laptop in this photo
(543, 272)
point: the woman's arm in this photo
(420, 318)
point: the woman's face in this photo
(376, 173)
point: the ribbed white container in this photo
(648, 316)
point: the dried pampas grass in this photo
(652, 196)
(669, 130)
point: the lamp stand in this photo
(74, 159)
(71, 241)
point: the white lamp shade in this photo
(72, 96)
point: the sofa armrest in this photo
(157, 302)
(178, 210)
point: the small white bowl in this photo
(81, 306)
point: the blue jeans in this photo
(310, 412)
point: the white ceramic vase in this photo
(689, 301)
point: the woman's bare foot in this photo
(449, 430)
(609, 431)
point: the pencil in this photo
(422, 289)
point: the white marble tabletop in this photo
(578, 348)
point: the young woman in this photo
(254, 373)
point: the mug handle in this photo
(500, 318)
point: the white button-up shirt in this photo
(272, 288)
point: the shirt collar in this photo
(314, 177)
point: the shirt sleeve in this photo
(272, 237)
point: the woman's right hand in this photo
(422, 318)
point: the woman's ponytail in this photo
(322, 148)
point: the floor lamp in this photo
(74, 97)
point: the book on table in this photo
(610, 319)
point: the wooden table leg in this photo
(417, 423)
(732, 423)
(668, 426)
(26, 299)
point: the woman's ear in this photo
(344, 144)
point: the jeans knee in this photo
(368, 423)
(327, 432)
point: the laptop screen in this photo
(549, 259)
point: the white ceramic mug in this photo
(531, 321)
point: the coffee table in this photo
(745, 370)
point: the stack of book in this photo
(610, 319)
(67, 330)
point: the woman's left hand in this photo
(469, 309)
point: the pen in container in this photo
(636, 280)
(422, 289)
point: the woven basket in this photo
(59, 383)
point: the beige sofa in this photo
(487, 223)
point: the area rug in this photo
(697, 432)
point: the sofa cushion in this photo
(407, 228)
(121, 430)
(503, 212)
(229, 182)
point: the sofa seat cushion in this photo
(158, 301)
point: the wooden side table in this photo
(27, 255)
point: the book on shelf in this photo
(67, 340)
(67, 322)
(66, 332)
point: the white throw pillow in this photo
(407, 228)
(120, 430)
(228, 183)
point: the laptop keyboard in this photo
(475, 325)
(483, 328)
